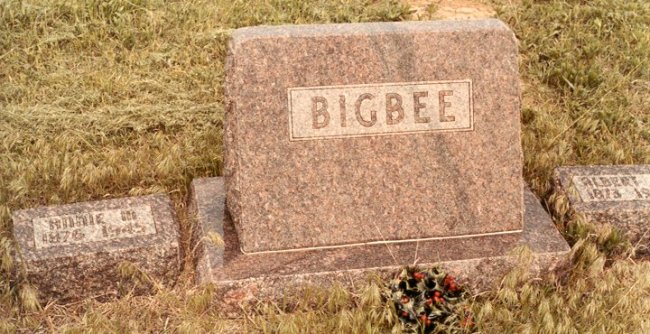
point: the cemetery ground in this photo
(122, 98)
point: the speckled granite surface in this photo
(476, 261)
(617, 195)
(207, 207)
(397, 159)
(73, 251)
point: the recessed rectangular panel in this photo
(92, 226)
(379, 109)
(604, 188)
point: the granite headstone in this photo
(357, 148)
(408, 129)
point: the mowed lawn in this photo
(104, 99)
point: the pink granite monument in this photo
(410, 129)
(348, 144)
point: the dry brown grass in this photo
(102, 99)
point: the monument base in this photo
(478, 262)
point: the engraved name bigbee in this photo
(379, 109)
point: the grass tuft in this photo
(29, 298)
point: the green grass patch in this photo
(587, 83)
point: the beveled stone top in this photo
(246, 34)
(350, 133)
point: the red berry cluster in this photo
(425, 298)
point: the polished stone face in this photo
(356, 133)
(74, 251)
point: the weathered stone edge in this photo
(205, 252)
(245, 34)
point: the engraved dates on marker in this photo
(93, 226)
(596, 188)
(379, 109)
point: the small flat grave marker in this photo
(617, 195)
(73, 251)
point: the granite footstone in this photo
(74, 251)
(479, 262)
(346, 134)
(610, 194)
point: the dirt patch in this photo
(450, 9)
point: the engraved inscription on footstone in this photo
(93, 226)
(603, 188)
(379, 109)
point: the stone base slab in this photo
(478, 261)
